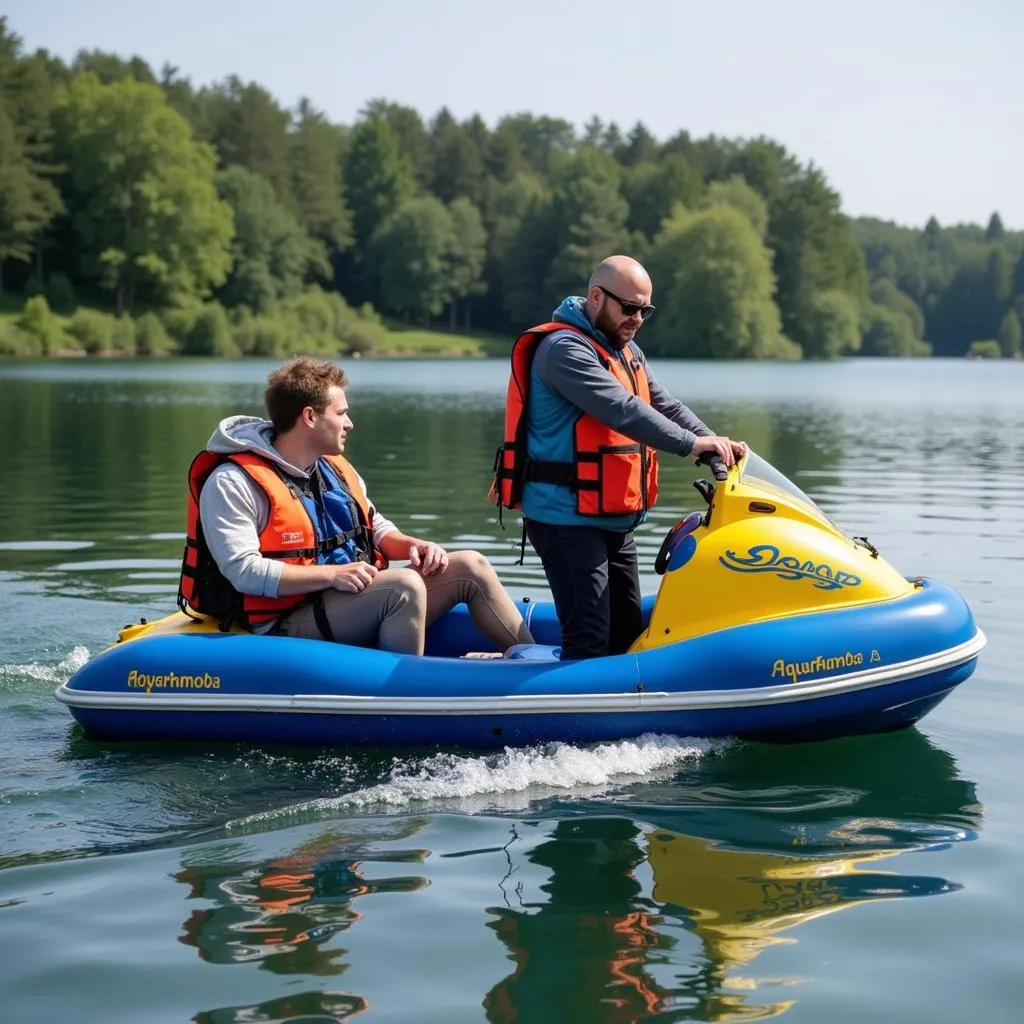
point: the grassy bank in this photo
(314, 323)
(411, 343)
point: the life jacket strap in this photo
(561, 473)
(320, 616)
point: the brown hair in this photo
(300, 382)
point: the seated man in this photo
(282, 537)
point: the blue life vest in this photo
(340, 535)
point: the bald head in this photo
(621, 272)
(617, 285)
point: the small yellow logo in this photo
(171, 681)
(793, 670)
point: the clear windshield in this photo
(762, 473)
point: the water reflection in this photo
(583, 954)
(281, 912)
(313, 1007)
(735, 868)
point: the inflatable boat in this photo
(769, 623)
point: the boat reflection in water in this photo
(282, 913)
(738, 868)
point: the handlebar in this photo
(715, 463)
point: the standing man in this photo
(281, 536)
(584, 420)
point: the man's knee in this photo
(470, 565)
(407, 586)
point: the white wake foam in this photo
(59, 673)
(508, 781)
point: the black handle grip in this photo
(715, 463)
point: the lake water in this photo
(878, 878)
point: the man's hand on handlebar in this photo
(725, 448)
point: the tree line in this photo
(212, 220)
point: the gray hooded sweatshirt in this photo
(233, 510)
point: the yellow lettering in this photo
(141, 681)
(795, 669)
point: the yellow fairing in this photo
(763, 552)
(176, 622)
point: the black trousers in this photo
(595, 581)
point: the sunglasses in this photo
(629, 308)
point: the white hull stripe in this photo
(534, 704)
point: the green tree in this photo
(1009, 335)
(378, 178)
(612, 140)
(270, 251)
(28, 198)
(593, 132)
(564, 234)
(588, 220)
(109, 67)
(27, 90)
(183, 98)
(315, 147)
(466, 257)
(885, 293)
(943, 272)
(509, 205)
(525, 261)
(411, 250)
(251, 129)
(504, 154)
(974, 302)
(995, 230)
(541, 140)
(210, 334)
(715, 281)
(93, 330)
(958, 316)
(60, 293)
(639, 147)
(834, 326)
(151, 337)
(653, 188)
(887, 332)
(28, 201)
(457, 159)
(38, 324)
(685, 146)
(814, 251)
(735, 192)
(145, 209)
(986, 349)
(414, 142)
(764, 165)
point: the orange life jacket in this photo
(289, 535)
(611, 475)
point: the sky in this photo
(912, 108)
